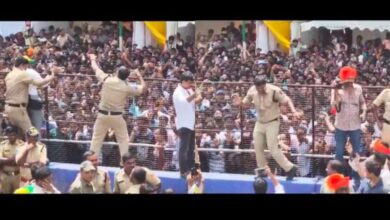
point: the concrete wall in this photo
(64, 174)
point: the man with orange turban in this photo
(348, 99)
(337, 183)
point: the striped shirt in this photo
(348, 117)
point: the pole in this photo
(243, 39)
(47, 112)
(313, 115)
(120, 27)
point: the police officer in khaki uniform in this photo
(123, 182)
(114, 94)
(138, 179)
(9, 171)
(384, 98)
(101, 180)
(83, 184)
(16, 97)
(33, 152)
(267, 98)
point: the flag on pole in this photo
(120, 26)
(243, 33)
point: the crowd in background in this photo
(224, 67)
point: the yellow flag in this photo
(158, 30)
(282, 32)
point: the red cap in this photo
(347, 74)
(337, 181)
(379, 147)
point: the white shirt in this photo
(235, 133)
(185, 111)
(385, 175)
(377, 130)
(40, 190)
(360, 58)
(63, 39)
(32, 90)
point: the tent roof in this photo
(340, 25)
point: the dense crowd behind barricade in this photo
(224, 69)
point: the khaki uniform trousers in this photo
(386, 133)
(116, 123)
(18, 116)
(9, 182)
(266, 135)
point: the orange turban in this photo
(337, 181)
(347, 74)
(30, 52)
(379, 147)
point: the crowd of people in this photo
(223, 68)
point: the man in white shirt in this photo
(63, 38)
(370, 121)
(184, 99)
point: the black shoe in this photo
(291, 173)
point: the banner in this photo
(158, 30)
(281, 30)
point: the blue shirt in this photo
(366, 188)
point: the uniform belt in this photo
(269, 121)
(386, 121)
(14, 173)
(17, 105)
(109, 113)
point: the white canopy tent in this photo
(340, 25)
(369, 30)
